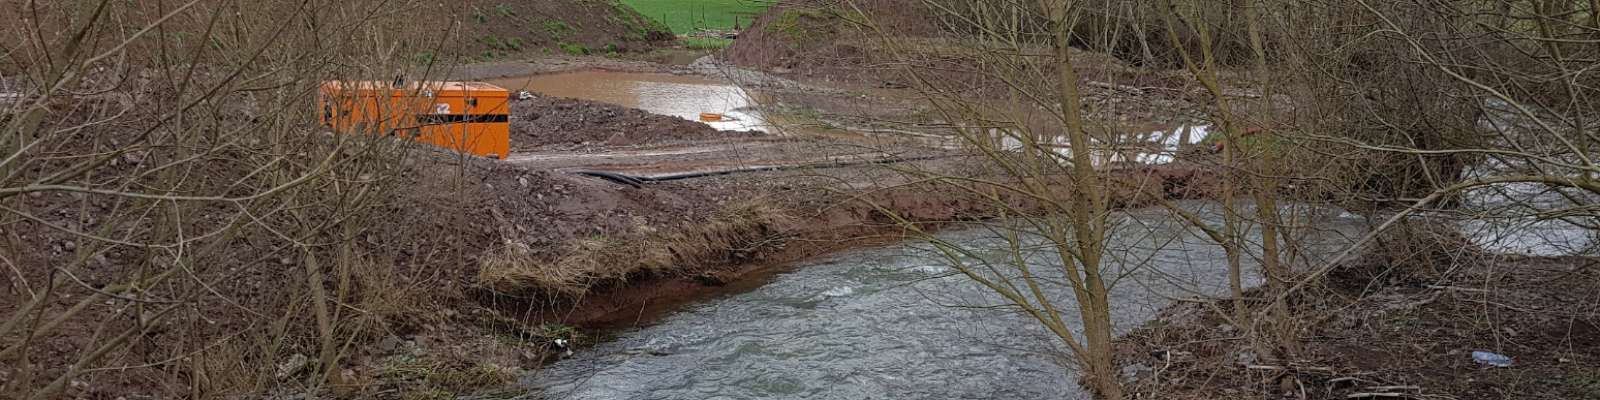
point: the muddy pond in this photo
(683, 96)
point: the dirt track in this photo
(703, 156)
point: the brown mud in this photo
(493, 29)
(546, 123)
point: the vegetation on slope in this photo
(493, 29)
(686, 16)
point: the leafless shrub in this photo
(1391, 109)
(177, 222)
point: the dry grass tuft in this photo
(516, 268)
(738, 233)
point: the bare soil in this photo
(552, 123)
(553, 64)
(1380, 331)
(493, 29)
(812, 38)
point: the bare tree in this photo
(171, 205)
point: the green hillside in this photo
(685, 16)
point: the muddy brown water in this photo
(683, 96)
(897, 323)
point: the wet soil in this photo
(492, 29)
(552, 65)
(1396, 338)
(554, 123)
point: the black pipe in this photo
(614, 178)
(639, 181)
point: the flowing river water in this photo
(899, 323)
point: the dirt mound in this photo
(399, 229)
(815, 37)
(554, 122)
(497, 29)
(473, 30)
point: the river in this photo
(897, 323)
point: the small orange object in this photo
(470, 117)
(710, 117)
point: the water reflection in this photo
(680, 96)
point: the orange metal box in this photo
(470, 117)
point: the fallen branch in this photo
(1376, 395)
(1394, 388)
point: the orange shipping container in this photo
(470, 117)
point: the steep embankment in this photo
(820, 38)
(411, 238)
(471, 30)
(500, 28)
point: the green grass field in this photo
(685, 16)
(706, 43)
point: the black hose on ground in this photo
(614, 178)
(639, 181)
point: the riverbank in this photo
(1381, 327)
(651, 250)
(568, 259)
(464, 272)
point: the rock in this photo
(77, 388)
(1129, 372)
(389, 344)
(292, 366)
(69, 245)
(1247, 358)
